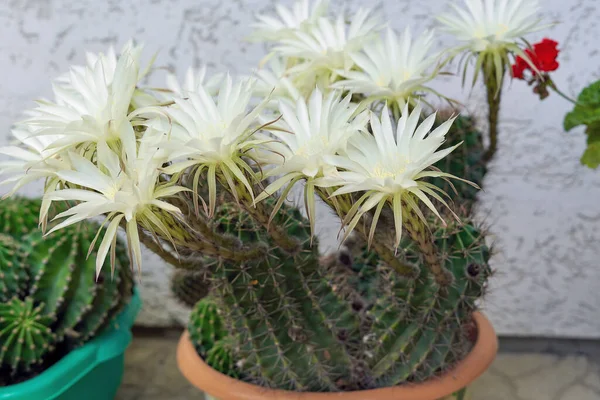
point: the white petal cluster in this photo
(120, 151)
(287, 20)
(313, 46)
(389, 165)
(485, 25)
(391, 68)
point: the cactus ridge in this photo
(50, 284)
(13, 276)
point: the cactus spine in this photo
(55, 302)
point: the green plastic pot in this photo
(91, 372)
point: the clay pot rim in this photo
(465, 372)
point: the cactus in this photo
(19, 215)
(56, 301)
(13, 274)
(25, 334)
(467, 162)
(220, 357)
(299, 323)
(206, 325)
(189, 287)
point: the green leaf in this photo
(587, 110)
(591, 156)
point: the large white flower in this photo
(307, 134)
(299, 16)
(391, 68)
(124, 188)
(389, 167)
(215, 135)
(89, 107)
(488, 24)
(490, 29)
(194, 79)
(325, 47)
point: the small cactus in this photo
(206, 325)
(25, 334)
(220, 357)
(55, 301)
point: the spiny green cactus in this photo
(25, 334)
(417, 328)
(189, 287)
(13, 274)
(294, 324)
(466, 162)
(206, 325)
(61, 293)
(220, 357)
(19, 215)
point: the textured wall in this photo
(541, 205)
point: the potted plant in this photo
(200, 172)
(63, 329)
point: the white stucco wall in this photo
(541, 205)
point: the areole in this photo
(223, 387)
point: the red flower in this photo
(543, 55)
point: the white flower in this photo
(131, 194)
(326, 46)
(109, 62)
(88, 107)
(298, 17)
(489, 24)
(391, 68)
(389, 167)
(489, 31)
(215, 135)
(274, 82)
(29, 160)
(194, 79)
(307, 134)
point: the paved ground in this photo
(151, 374)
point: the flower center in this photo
(313, 146)
(390, 170)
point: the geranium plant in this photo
(199, 172)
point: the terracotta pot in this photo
(223, 387)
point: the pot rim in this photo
(223, 387)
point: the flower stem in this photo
(494, 96)
(553, 86)
(342, 204)
(261, 213)
(419, 233)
